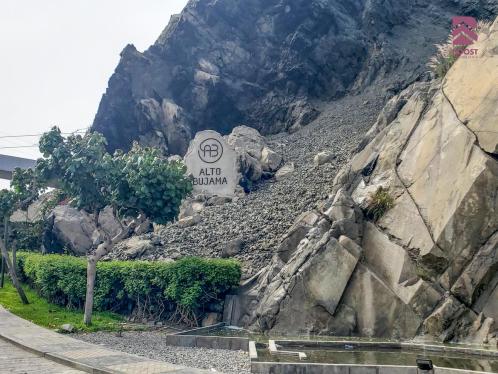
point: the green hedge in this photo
(184, 289)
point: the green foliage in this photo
(443, 60)
(7, 202)
(23, 191)
(150, 184)
(52, 316)
(194, 282)
(81, 166)
(379, 203)
(140, 181)
(26, 187)
(27, 235)
(441, 64)
(181, 289)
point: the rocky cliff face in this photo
(428, 266)
(267, 64)
(425, 267)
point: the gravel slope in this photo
(152, 344)
(264, 215)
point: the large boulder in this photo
(109, 223)
(461, 215)
(323, 158)
(134, 247)
(34, 212)
(73, 228)
(270, 160)
(255, 158)
(76, 231)
(312, 282)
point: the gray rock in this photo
(270, 160)
(285, 171)
(144, 227)
(296, 233)
(323, 158)
(232, 248)
(478, 272)
(134, 247)
(254, 156)
(73, 228)
(247, 140)
(189, 221)
(67, 328)
(218, 200)
(211, 319)
(316, 276)
(191, 206)
(108, 222)
(34, 212)
(152, 344)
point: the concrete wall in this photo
(310, 368)
(217, 342)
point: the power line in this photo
(20, 146)
(33, 135)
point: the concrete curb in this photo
(76, 354)
(56, 358)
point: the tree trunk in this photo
(14, 257)
(12, 274)
(2, 267)
(2, 272)
(91, 272)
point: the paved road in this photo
(18, 361)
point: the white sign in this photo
(212, 163)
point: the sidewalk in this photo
(76, 354)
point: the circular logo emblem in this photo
(210, 150)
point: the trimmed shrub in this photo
(180, 290)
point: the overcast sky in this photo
(57, 56)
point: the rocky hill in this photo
(268, 64)
(427, 266)
(314, 76)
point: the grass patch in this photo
(52, 316)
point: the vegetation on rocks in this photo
(379, 203)
(447, 53)
(179, 290)
(444, 58)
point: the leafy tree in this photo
(148, 184)
(141, 184)
(24, 189)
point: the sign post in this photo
(213, 164)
